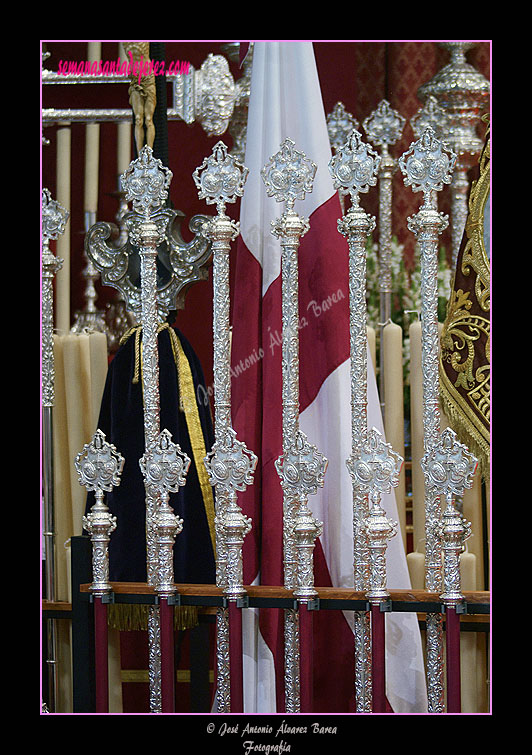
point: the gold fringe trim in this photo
(465, 430)
(128, 617)
(187, 404)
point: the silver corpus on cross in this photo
(230, 464)
(288, 176)
(99, 466)
(426, 166)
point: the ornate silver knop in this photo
(449, 466)
(164, 467)
(354, 167)
(384, 126)
(428, 163)
(99, 466)
(434, 115)
(289, 174)
(449, 469)
(146, 182)
(220, 178)
(301, 468)
(340, 124)
(230, 464)
(374, 466)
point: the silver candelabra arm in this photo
(99, 466)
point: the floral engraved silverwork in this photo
(426, 166)
(374, 468)
(354, 167)
(428, 163)
(230, 465)
(146, 182)
(54, 218)
(384, 126)
(164, 467)
(99, 466)
(449, 468)
(220, 178)
(340, 124)
(289, 175)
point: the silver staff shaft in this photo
(230, 465)
(288, 176)
(54, 218)
(146, 183)
(426, 166)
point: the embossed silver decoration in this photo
(426, 166)
(99, 466)
(374, 468)
(449, 468)
(288, 176)
(146, 183)
(433, 115)
(54, 218)
(356, 225)
(53, 222)
(230, 465)
(340, 124)
(164, 467)
(384, 128)
(464, 94)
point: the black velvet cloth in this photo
(122, 421)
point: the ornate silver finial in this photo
(449, 468)
(164, 467)
(220, 178)
(427, 164)
(354, 167)
(99, 467)
(301, 468)
(384, 126)
(146, 182)
(230, 464)
(289, 174)
(374, 468)
(434, 115)
(340, 124)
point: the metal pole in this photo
(230, 465)
(99, 467)
(426, 166)
(288, 176)
(53, 219)
(146, 183)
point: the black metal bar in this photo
(83, 689)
